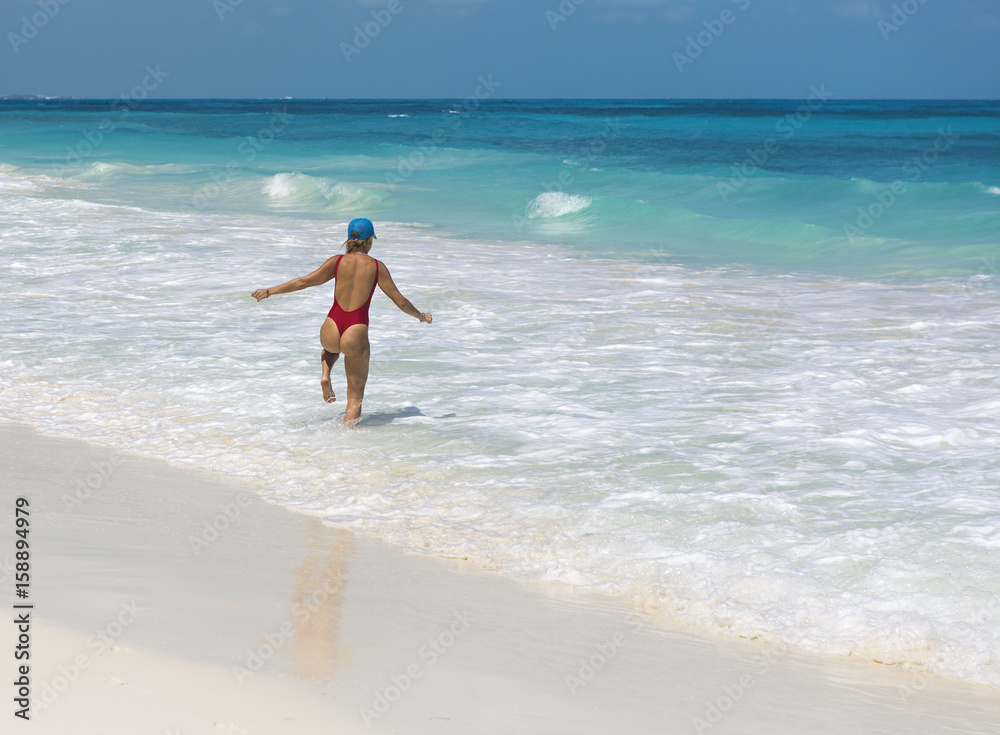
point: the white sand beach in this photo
(172, 600)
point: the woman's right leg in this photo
(357, 353)
(329, 337)
(328, 359)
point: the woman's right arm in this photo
(387, 285)
(317, 278)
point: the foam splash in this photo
(99, 172)
(17, 181)
(298, 190)
(14, 182)
(556, 204)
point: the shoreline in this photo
(196, 605)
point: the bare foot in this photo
(327, 359)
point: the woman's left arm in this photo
(317, 278)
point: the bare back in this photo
(355, 278)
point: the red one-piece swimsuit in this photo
(344, 319)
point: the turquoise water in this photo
(649, 372)
(764, 184)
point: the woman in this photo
(346, 326)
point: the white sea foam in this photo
(18, 181)
(105, 168)
(292, 186)
(302, 191)
(556, 204)
(782, 457)
(13, 182)
(994, 190)
(102, 169)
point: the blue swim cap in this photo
(360, 229)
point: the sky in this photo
(659, 49)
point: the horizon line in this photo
(52, 98)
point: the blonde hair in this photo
(358, 244)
